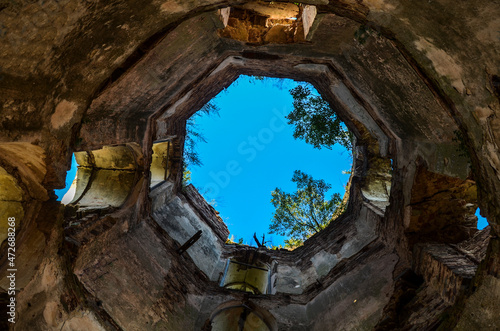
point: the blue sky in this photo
(481, 221)
(250, 151)
(70, 175)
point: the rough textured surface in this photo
(207, 212)
(443, 268)
(442, 208)
(477, 313)
(417, 82)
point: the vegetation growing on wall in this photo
(194, 136)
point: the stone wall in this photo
(417, 83)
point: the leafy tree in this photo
(186, 176)
(301, 214)
(315, 121)
(293, 243)
(277, 83)
(194, 136)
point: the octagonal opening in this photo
(250, 152)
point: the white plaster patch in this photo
(307, 277)
(308, 17)
(443, 63)
(224, 15)
(288, 280)
(70, 194)
(172, 109)
(323, 262)
(231, 60)
(346, 251)
(65, 111)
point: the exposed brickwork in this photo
(207, 212)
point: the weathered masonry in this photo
(417, 82)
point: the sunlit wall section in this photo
(104, 177)
(22, 171)
(160, 167)
(241, 276)
(249, 272)
(11, 198)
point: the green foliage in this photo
(186, 177)
(194, 136)
(231, 240)
(293, 243)
(315, 121)
(278, 83)
(301, 214)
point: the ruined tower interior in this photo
(417, 82)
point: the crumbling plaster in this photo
(408, 77)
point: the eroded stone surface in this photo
(416, 81)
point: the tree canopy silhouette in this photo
(305, 212)
(315, 121)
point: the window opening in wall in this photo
(482, 222)
(66, 194)
(250, 152)
(161, 162)
(241, 316)
(104, 177)
(247, 277)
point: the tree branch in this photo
(312, 213)
(257, 240)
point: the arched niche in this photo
(240, 316)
